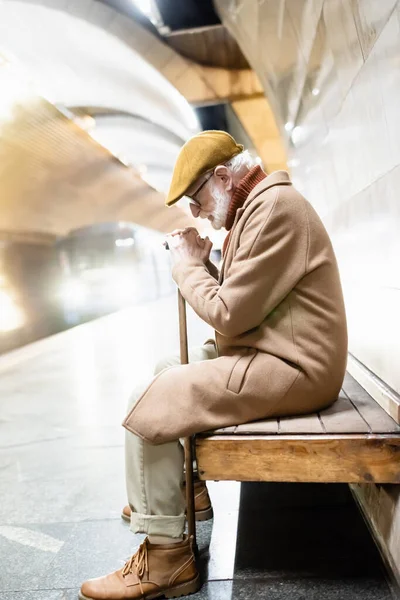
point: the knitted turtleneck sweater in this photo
(240, 195)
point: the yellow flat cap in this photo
(199, 155)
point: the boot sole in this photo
(184, 589)
(201, 515)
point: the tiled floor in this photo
(62, 486)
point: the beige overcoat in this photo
(278, 314)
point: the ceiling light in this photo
(289, 126)
(150, 9)
(85, 122)
(293, 162)
(297, 135)
(315, 91)
(124, 242)
(145, 6)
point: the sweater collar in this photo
(241, 193)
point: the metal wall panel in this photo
(331, 72)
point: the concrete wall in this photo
(330, 69)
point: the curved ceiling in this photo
(80, 55)
(83, 57)
(87, 57)
(54, 177)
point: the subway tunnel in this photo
(96, 99)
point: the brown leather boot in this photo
(155, 570)
(202, 503)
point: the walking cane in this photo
(188, 448)
(190, 509)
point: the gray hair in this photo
(244, 159)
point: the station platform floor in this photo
(62, 482)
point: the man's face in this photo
(210, 200)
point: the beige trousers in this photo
(154, 474)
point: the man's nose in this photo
(195, 210)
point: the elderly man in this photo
(281, 345)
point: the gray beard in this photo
(222, 201)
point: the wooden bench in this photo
(353, 441)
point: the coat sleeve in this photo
(270, 260)
(212, 269)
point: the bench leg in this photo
(190, 508)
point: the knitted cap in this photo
(202, 153)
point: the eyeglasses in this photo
(192, 198)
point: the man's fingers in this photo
(208, 244)
(176, 232)
(183, 231)
(204, 243)
(173, 241)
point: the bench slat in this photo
(378, 419)
(342, 417)
(224, 430)
(302, 424)
(354, 412)
(268, 426)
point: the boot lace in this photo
(138, 564)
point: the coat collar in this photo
(275, 178)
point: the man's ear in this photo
(225, 175)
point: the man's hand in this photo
(187, 243)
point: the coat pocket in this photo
(239, 370)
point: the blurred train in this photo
(99, 270)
